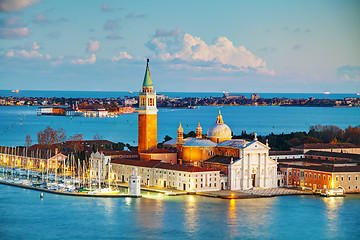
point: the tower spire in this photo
(147, 78)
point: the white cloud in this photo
(93, 46)
(35, 46)
(349, 73)
(122, 55)
(14, 5)
(186, 49)
(29, 54)
(10, 53)
(14, 33)
(91, 60)
(26, 52)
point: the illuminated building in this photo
(244, 164)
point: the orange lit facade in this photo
(147, 132)
(323, 177)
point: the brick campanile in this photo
(147, 134)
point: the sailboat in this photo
(104, 191)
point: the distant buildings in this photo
(320, 168)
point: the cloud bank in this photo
(122, 55)
(14, 5)
(190, 51)
(91, 60)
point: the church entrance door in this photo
(253, 176)
(122, 178)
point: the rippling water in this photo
(25, 216)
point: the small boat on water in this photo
(105, 191)
(15, 91)
(338, 192)
(326, 92)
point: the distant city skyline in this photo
(198, 46)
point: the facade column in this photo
(243, 177)
(249, 171)
(266, 171)
(260, 177)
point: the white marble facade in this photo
(253, 169)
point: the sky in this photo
(193, 46)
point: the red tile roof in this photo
(159, 164)
(324, 168)
(158, 150)
(325, 146)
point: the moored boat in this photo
(338, 192)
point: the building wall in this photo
(195, 155)
(165, 157)
(321, 180)
(147, 131)
(181, 180)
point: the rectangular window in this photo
(314, 175)
(337, 179)
(355, 178)
(310, 175)
(324, 176)
(306, 175)
(342, 178)
(349, 178)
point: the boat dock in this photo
(255, 193)
(69, 193)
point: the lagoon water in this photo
(18, 121)
(23, 215)
(156, 216)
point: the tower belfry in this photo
(147, 138)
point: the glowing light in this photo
(232, 195)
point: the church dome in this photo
(219, 131)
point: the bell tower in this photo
(147, 133)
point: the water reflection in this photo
(191, 214)
(332, 205)
(150, 211)
(252, 214)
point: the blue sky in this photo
(198, 46)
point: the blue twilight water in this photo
(109, 94)
(25, 216)
(18, 121)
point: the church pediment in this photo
(256, 145)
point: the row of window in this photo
(318, 176)
(342, 178)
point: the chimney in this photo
(56, 151)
